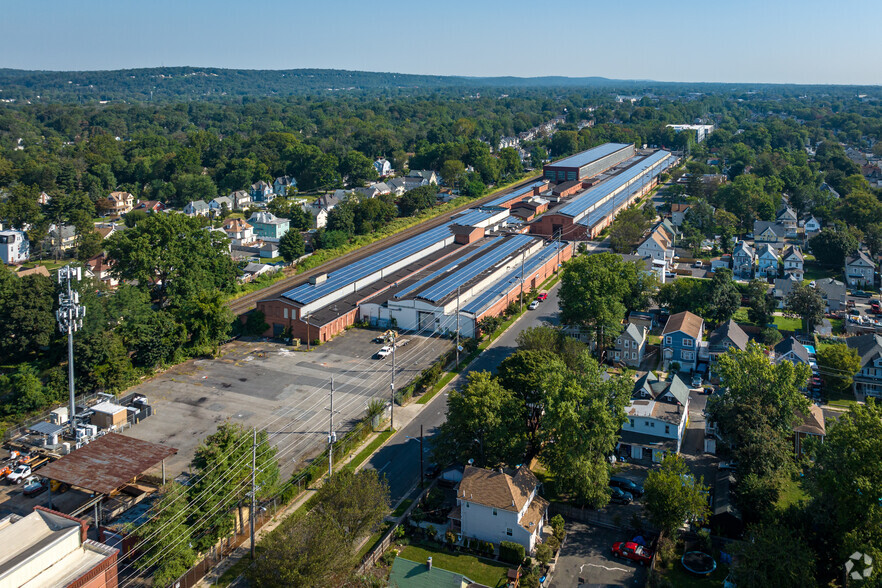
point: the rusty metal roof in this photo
(107, 463)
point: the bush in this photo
(543, 554)
(431, 531)
(557, 523)
(389, 557)
(667, 551)
(450, 538)
(398, 533)
(553, 543)
(529, 581)
(704, 541)
(511, 552)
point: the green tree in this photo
(165, 539)
(832, 244)
(722, 299)
(761, 308)
(760, 563)
(292, 246)
(417, 200)
(672, 496)
(485, 422)
(452, 171)
(838, 363)
(207, 319)
(357, 169)
(26, 307)
(89, 244)
(627, 228)
(806, 303)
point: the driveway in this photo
(586, 560)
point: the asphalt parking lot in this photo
(261, 384)
(586, 560)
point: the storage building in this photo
(588, 163)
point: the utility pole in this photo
(457, 337)
(253, 484)
(523, 253)
(422, 476)
(332, 436)
(307, 331)
(70, 318)
(392, 386)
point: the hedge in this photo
(511, 552)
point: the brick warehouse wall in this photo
(274, 311)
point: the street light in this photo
(70, 318)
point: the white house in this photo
(743, 258)
(14, 247)
(793, 262)
(868, 380)
(812, 225)
(630, 345)
(319, 215)
(383, 167)
(196, 208)
(239, 231)
(859, 270)
(657, 418)
(494, 506)
(791, 350)
(426, 174)
(240, 198)
(766, 261)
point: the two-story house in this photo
(14, 247)
(766, 261)
(859, 270)
(239, 231)
(630, 345)
(268, 226)
(791, 350)
(197, 208)
(787, 218)
(727, 336)
(768, 232)
(121, 202)
(261, 192)
(494, 506)
(833, 292)
(283, 184)
(812, 225)
(383, 167)
(743, 258)
(216, 206)
(868, 380)
(241, 199)
(426, 174)
(658, 415)
(678, 213)
(681, 339)
(794, 262)
(150, 206)
(656, 247)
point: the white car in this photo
(534, 305)
(19, 474)
(384, 352)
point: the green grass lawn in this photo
(365, 453)
(677, 575)
(476, 569)
(740, 315)
(815, 271)
(792, 492)
(426, 397)
(785, 323)
(401, 508)
(372, 540)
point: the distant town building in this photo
(700, 132)
(14, 247)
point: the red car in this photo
(542, 296)
(632, 551)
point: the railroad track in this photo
(246, 303)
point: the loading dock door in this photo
(426, 321)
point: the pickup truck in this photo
(384, 352)
(19, 474)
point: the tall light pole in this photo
(332, 436)
(457, 329)
(70, 318)
(393, 336)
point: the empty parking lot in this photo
(266, 385)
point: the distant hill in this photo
(195, 83)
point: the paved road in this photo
(399, 460)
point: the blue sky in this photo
(807, 41)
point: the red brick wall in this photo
(274, 312)
(103, 575)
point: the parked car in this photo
(632, 551)
(860, 294)
(698, 264)
(542, 296)
(627, 485)
(384, 351)
(432, 470)
(619, 496)
(19, 474)
(378, 340)
(696, 381)
(34, 485)
(728, 465)
(534, 305)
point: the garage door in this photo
(426, 321)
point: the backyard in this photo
(477, 569)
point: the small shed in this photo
(108, 414)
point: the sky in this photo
(775, 41)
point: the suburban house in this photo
(197, 208)
(150, 205)
(253, 270)
(495, 506)
(783, 288)
(630, 345)
(99, 268)
(44, 198)
(261, 192)
(428, 175)
(217, 204)
(833, 292)
(399, 186)
(240, 199)
(121, 202)
(48, 548)
(725, 337)
(793, 262)
(239, 231)
(383, 167)
(766, 261)
(268, 226)
(791, 350)
(657, 247)
(812, 225)
(319, 216)
(787, 218)
(657, 418)
(743, 258)
(282, 184)
(14, 247)
(811, 425)
(106, 230)
(828, 188)
(678, 213)
(868, 381)
(326, 201)
(859, 270)
(681, 339)
(62, 237)
(768, 232)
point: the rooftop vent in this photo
(318, 279)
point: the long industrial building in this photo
(450, 277)
(588, 163)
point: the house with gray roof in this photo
(791, 350)
(768, 232)
(240, 199)
(868, 380)
(217, 204)
(833, 292)
(727, 336)
(859, 270)
(197, 208)
(282, 184)
(630, 346)
(766, 261)
(787, 218)
(794, 261)
(743, 259)
(657, 417)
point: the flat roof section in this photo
(585, 157)
(108, 463)
(474, 216)
(519, 193)
(449, 267)
(306, 293)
